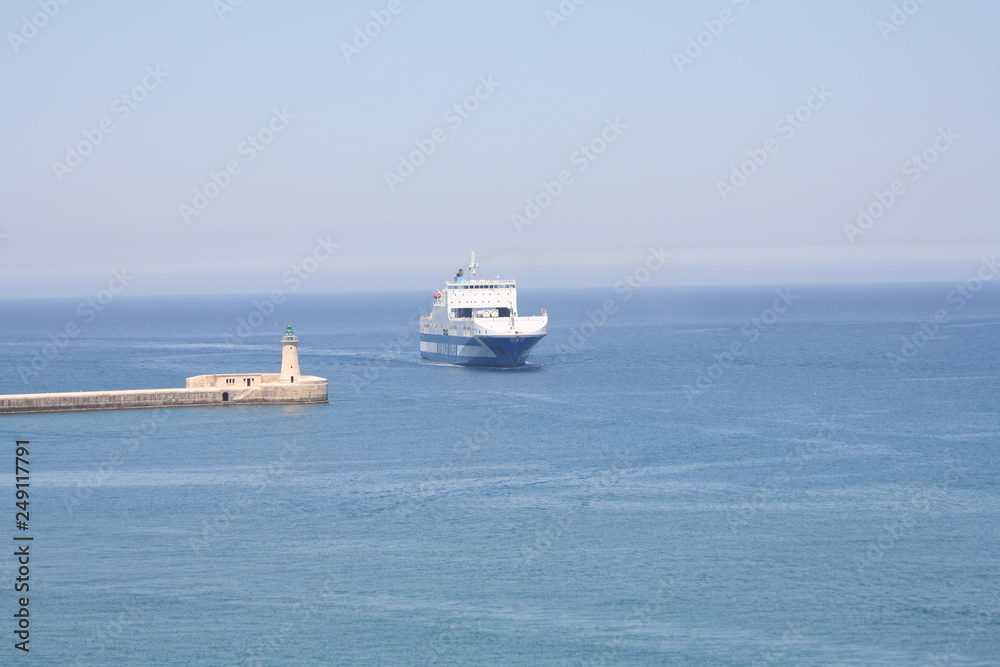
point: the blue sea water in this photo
(690, 476)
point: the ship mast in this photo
(473, 265)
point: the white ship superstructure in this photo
(474, 321)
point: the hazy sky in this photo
(213, 147)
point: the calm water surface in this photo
(700, 480)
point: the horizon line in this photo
(858, 283)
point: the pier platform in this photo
(285, 387)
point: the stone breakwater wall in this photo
(304, 390)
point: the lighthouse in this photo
(289, 357)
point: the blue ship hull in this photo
(498, 351)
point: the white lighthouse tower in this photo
(289, 357)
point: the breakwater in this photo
(287, 386)
(301, 392)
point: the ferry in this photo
(474, 322)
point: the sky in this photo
(227, 146)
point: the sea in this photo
(752, 475)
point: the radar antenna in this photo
(473, 265)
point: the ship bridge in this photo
(481, 298)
